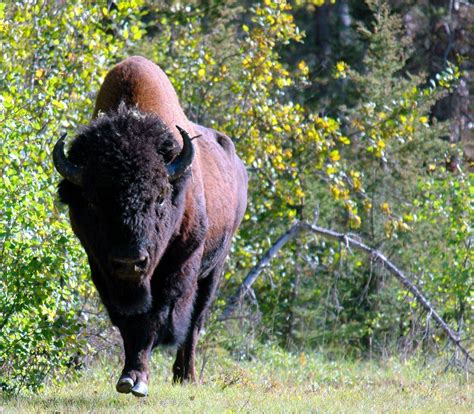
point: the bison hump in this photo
(139, 82)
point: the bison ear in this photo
(184, 159)
(66, 168)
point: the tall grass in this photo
(273, 382)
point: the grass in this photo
(277, 382)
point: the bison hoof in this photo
(124, 385)
(140, 389)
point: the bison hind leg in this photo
(183, 367)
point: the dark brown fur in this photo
(127, 205)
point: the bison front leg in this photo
(138, 343)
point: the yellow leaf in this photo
(58, 104)
(385, 207)
(403, 226)
(330, 170)
(344, 140)
(299, 193)
(357, 183)
(355, 221)
(340, 66)
(334, 155)
(303, 68)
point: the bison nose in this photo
(129, 266)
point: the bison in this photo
(155, 212)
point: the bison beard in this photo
(129, 297)
(155, 213)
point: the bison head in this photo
(123, 182)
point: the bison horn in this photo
(66, 168)
(183, 161)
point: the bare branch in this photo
(244, 288)
(376, 256)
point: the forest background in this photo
(358, 112)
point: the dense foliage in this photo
(376, 166)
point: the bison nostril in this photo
(141, 264)
(130, 264)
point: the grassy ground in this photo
(275, 383)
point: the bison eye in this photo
(160, 202)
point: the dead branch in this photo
(244, 288)
(303, 226)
